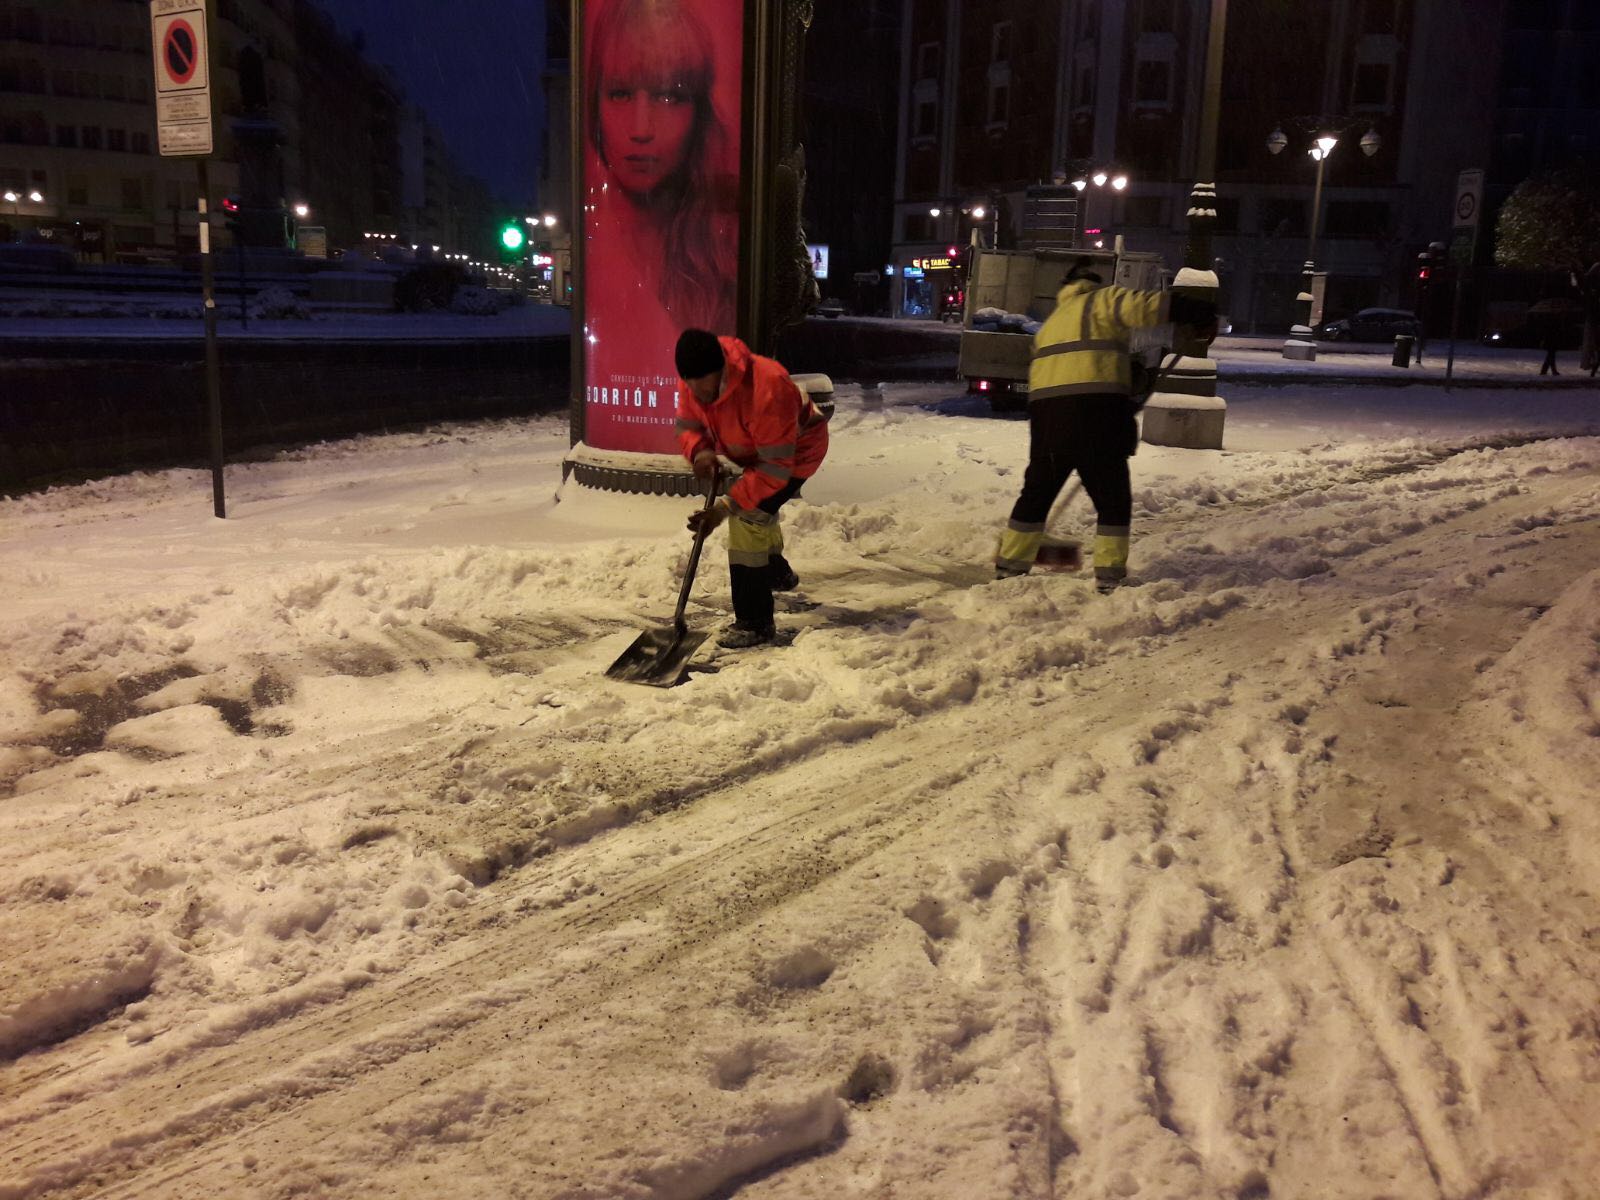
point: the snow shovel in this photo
(659, 657)
(1059, 555)
(1062, 555)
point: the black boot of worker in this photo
(780, 575)
(752, 607)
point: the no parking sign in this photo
(183, 76)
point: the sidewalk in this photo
(1259, 361)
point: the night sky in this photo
(474, 65)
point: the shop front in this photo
(930, 285)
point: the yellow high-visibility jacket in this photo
(1083, 346)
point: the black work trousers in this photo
(1093, 435)
(752, 585)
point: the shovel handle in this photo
(679, 625)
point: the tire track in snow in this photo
(1425, 1073)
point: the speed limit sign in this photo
(1469, 199)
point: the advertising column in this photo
(661, 94)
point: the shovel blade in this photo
(658, 657)
(1059, 555)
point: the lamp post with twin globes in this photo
(1301, 345)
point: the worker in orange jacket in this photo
(744, 406)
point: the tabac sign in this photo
(183, 76)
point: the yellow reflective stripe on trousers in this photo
(751, 544)
(1017, 549)
(1111, 552)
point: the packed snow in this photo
(331, 864)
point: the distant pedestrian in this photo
(1550, 342)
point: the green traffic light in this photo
(512, 238)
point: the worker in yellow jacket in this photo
(1081, 415)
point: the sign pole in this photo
(1455, 328)
(219, 501)
(181, 57)
(1463, 248)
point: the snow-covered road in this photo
(331, 864)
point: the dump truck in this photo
(1011, 292)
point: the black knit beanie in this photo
(1084, 268)
(698, 354)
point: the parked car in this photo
(832, 308)
(1371, 325)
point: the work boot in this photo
(780, 575)
(740, 636)
(1106, 586)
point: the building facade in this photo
(77, 128)
(1000, 94)
(849, 130)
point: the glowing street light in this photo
(1300, 344)
(15, 198)
(302, 211)
(1099, 178)
(1119, 182)
(551, 221)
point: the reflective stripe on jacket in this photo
(761, 421)
(1083, 346)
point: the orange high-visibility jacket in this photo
(761, 421)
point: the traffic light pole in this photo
(219, 502)
(1462, 253)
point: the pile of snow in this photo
(278, 304)
(471, 300)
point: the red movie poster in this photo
(662, 83)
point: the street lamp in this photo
(981, 212)
(550, 221)
(1300, 344)
(15, 198)
(1101, 177)
(302, 211)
